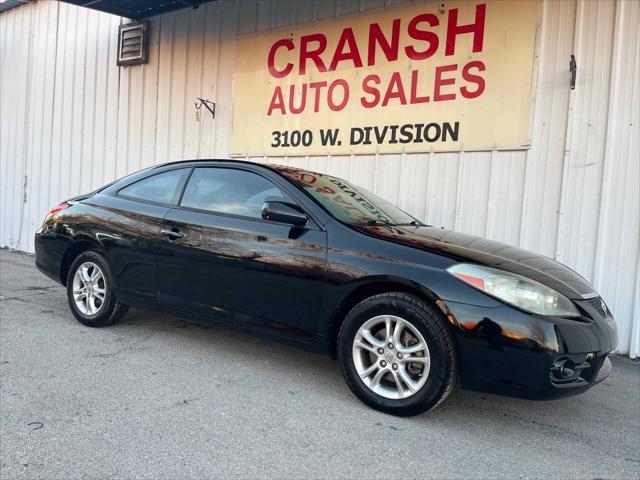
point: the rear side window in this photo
(160, 188)
(224, 190)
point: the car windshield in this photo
(346, 202)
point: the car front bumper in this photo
(507, 351)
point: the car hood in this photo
(472, 249)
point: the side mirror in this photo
(284, 213)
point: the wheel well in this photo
(361, 293)
(72, 253)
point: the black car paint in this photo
(294, 284)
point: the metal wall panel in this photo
(617, 259)
(544, 162)
(586, 137)
(71, 120)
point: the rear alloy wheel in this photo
(90, 291)
(397, 354)
(89, 288)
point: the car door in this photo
(127, 222)
(225, 262)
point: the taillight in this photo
(56, 209)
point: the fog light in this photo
(563, 369)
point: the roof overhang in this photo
(137, 9)
(8, 4)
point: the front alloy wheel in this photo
(397, 354)
(391, 356)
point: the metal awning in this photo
(137, 9)
(9, 4)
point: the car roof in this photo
(232, 161)
(221, 160)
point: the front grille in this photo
(598, 305)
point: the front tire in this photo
(90, 291)
(397, 354)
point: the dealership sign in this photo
(425, 77)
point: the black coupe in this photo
(308, 259)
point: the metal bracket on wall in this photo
(573, 68)
(208, 104)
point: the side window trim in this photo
(234, 215)
(180, 187)
(183, 186)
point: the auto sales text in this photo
(293, 60)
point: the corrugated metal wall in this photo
(71, 120)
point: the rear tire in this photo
(90, 291)
(397, 354)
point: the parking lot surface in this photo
(156, 397)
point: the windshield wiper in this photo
(373, 221)
(377, 221)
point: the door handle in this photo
(172, 233)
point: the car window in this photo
(225, 190)
(345, 201)
(161, 188)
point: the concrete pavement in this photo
(156, 397)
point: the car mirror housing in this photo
(284, 212)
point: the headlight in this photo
(515, 289)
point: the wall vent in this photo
(132, 43)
